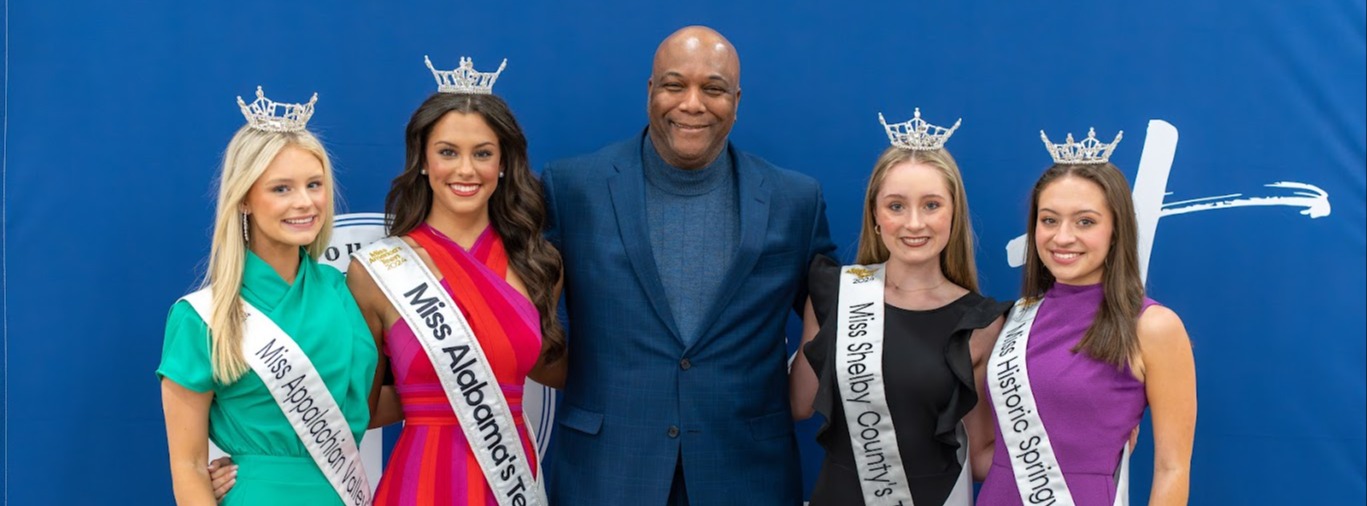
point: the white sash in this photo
(1122, 478)
(460, 363)
(962, 493)
(859, 376)
(1039, 480)
(303, 397)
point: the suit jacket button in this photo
(685, 364)
(673, 431)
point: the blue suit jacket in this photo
(637, 397)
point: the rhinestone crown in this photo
(917, 135)
(270, 116)
(465, 79)
(1089, 151)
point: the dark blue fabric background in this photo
(117, 114)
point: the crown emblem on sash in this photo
(1089, 151)
(917, 134)
(465, 79)
(271, 116)
(862, 273)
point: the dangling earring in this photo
(246, 239)
(500, 174)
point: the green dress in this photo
(244, 420)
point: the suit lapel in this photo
(753, 196)
(627, 188)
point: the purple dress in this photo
(1089, 407)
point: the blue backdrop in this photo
(116, 115)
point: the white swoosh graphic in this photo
(1313, 200)
(1155, 163)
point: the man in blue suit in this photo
(683, 256)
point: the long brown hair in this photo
(1113, 336)
(516, 208)
(956, 261)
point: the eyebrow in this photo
(480, 145)
(280, 180)
(713, 77)
(928, 195)
(1084, 211)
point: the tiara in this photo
(465, 79)
(1090, 150)
(917, 135)
(261, 113)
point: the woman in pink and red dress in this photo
(470, 207)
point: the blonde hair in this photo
(956, 261)
(247, 156)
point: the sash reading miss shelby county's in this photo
(1038, 477)
(462, 366)
(302, 396)
(859, 374)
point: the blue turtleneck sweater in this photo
(694, 222)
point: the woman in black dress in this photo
(936, 332)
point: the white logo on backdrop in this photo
(351, 232)
(1150, 187)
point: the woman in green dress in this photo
(275, 212)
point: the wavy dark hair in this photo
(1113, 336)
(516, 208)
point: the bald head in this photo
(694, 91)
(696, 43)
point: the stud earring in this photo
(500, 174)
(423, 172)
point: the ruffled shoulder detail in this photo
(976, 312)
(823, 286)
(980, 311)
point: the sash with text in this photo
(1039, 480)
(302, 396)
(859, 375)
(460, 363)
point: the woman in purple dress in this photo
(1085, 351)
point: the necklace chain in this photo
(911, 290)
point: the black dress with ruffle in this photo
(928, 380)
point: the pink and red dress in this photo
(432, 463)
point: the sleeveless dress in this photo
(928, 378)
(1088, 407)
(318, 312)
(432, 463)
